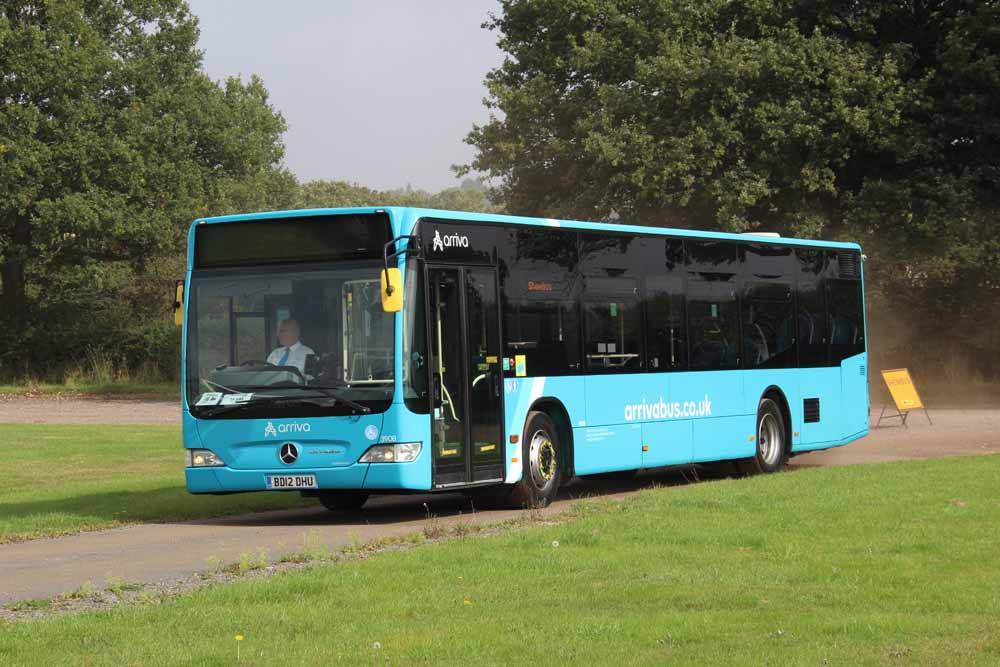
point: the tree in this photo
(111, 140)
(332, 194)
(876, 121)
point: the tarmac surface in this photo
(160, 553)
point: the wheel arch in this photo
(775, 393)
(555, 409)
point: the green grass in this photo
(892, 564)
(124, 389)
(65, 478)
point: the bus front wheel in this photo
(342, 502)
(771, 439)
(543, 469)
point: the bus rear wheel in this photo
(771, 438)
(342, 502)
(542, 463)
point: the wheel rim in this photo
(769, 439)
(542, 458)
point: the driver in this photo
(292, 352)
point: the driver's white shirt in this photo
(296, 356)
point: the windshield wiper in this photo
(318, 401)
(325, 391)
(223, 409)
(329, 391)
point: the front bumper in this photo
(224, 479)
(386, 477)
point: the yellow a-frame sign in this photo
(904, 395)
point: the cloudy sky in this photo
(380, 92)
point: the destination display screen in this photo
(291, 240)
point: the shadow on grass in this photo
(25, 520)
(402, 508)
(37, 518)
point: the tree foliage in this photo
(875, 121)
(111, 140)
(470, 196)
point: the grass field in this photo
(866, 565)
(66, 478)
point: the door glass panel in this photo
(251, 337)
(484, 372)
(367, 342)
(214, 313)
(447, 383)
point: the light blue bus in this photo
(340, 353)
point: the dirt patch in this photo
(953, 433)
(96, 410)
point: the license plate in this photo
(279, 482)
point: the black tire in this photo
(771, 440)
(342, 502)
(543, 466)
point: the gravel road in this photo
(61, 410)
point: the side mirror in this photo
(392, 290)
(179, 303)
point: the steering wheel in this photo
(257, 362)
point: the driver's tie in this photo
(288, 351)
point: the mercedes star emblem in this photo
(289, 453)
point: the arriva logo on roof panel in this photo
(272, 431)
(662, 410)
(448, 241)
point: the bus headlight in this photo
(400, 452)
(202, 458)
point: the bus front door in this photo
(466, 429)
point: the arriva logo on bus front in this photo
(448, 241)
(662, 410)
(272, 431)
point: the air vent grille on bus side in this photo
(863, 371)
(847, 262)
(810, 410)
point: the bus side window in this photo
(415, 372)
(665, 323)
(712, 322)
(847, 336)
(813, 329)
(768, 326)
(541, 323)
(612, 305)
(613, 324)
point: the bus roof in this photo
(405, 217)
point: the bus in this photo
(340, 353)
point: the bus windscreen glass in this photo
(316, 333)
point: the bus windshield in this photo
(259, 335)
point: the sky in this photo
(379, 93)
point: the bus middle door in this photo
(466, 428)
